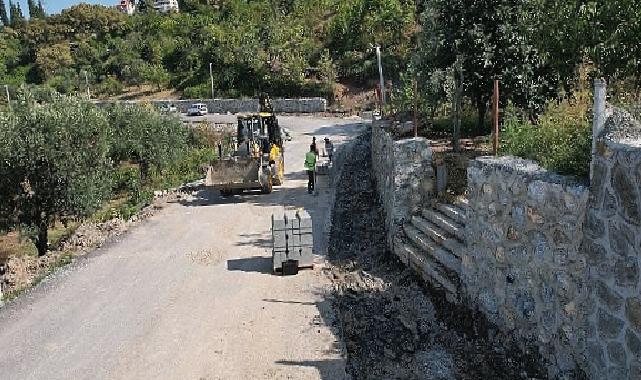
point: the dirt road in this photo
(187, 295)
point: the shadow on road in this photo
(326, 368)
(256, 264)
(262, 240)
(273, 300)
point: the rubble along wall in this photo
(403, 174)
(303, 105)
(612, 249)
(522, 266)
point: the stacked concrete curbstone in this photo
(292, 238)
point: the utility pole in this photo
(87, 85)
(211, 76)
(380, 74)
(495, 114)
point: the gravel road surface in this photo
(188, 294)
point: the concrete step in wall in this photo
(427, 269)
(456, 213)
(433, 250)
(433, 242)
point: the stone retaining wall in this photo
(613, 251)
(553, 263)
(309, 105)
(403, 174)
(522, 266)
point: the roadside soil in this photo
(392, 325)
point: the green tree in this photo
(53, 164)
(17, 18)
(493, 40)
(4, 17)
(145, 137)
(50, 59)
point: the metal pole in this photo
(495, 114)
(600, 93)
(211, 76)
(380, 74)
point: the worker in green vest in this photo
(310, 166)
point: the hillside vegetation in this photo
(286, 48)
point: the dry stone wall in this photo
(403, 173)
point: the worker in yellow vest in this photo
(310, 166)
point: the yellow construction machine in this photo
(257, 159)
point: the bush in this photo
(560, 140)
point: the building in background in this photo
(127, 7)
(166, 6)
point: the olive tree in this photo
(54, 164)
(145, 137)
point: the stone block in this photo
(621, 238)
(609, 326)
(304, 219)
(278, 219)
(608, 298)
(626, 272)
(633, 313)
(633, 342)
(279, 239)
(627, 194)
(616, 353)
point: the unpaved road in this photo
(187, 295)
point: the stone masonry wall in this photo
(522, 267)
(403, 173)
(309, 105)
(613, 250)
(553, 263)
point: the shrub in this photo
(560, 140)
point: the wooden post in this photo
(495, 114)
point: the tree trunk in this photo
(144, 170)
(457, 105)
(42, 241)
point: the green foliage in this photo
(560, 140)
(253, 46)
(4, 16)
(144, 136)
(53, 162)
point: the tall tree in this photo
(56, 167)
(16, 18)
(493, 39)
(4, 17)
(33, 8)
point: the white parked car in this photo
(198, 109)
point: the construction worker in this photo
(329, 148)
(310, 166)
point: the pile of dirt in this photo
(392, 325)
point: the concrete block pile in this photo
(292, 238)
